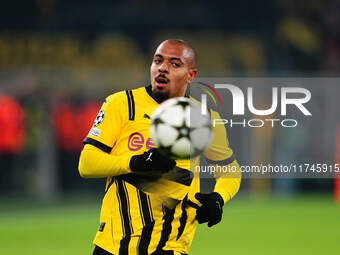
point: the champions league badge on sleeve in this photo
(99, 119)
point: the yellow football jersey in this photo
(137, 215)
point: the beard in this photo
(161, 96)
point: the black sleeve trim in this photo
(97, 144)
(223, 162)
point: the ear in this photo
(192, 74)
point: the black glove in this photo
(211, 208)
(151, 160)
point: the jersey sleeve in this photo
(108, 123)
(219, 149)
(219, 153)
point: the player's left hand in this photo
(211, 208)
(151, 160)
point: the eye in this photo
(157, 61)
(175, 64)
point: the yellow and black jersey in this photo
(135, 216)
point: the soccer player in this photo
(134, 218)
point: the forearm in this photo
(94, 163)
(228, 184)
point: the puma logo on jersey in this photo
(146, 116)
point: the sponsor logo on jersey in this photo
(137, 141)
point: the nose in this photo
(163, 68)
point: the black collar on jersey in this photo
(151, 94)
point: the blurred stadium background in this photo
(58, 61)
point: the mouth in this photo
(161, 81)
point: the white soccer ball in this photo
(179, 130)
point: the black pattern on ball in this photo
(176, 132)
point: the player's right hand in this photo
(151, 160)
